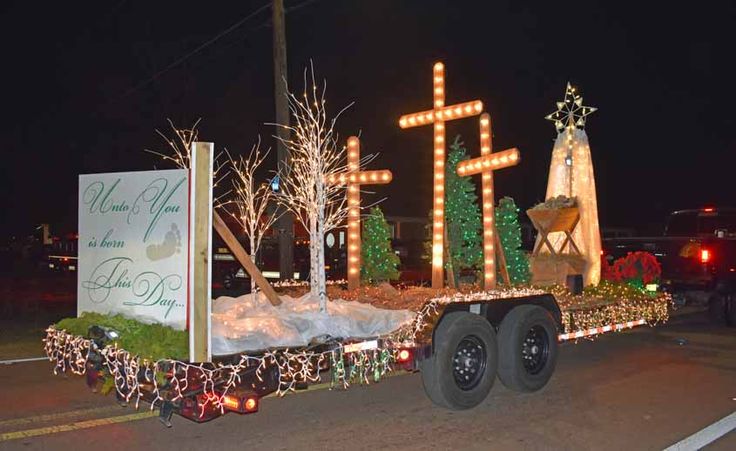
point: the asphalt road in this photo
(642, 389)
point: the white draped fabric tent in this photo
(571, 174)
(582, 186)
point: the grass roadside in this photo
(19, 341)
(28, 305)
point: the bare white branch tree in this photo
(315, 158)
(179, 152)
(251, 200)
(180, 144)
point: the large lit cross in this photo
(354, 178)
(485, 165)
(438, 116)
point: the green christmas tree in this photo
(380, 263)
(462, 212)
(509, 231)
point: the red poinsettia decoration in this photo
(637, 268)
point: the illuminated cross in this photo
(354, 178)
(485, 165)
(438, 116)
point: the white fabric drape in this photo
(587, 234)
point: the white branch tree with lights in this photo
(315, 158)
(180, 144)
(251, 200)
(179, 151)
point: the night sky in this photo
(87, 83)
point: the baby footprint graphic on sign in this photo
(168, 247)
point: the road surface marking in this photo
(32, 359)
(28, 433)
(118, 419)
(59, 416)
(707, 435)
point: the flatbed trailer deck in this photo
(458, 344)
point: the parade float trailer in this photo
(459, 343)
(145, 256)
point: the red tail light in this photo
(239, 403)
(231, 402)
(251, 405)
(705, 255)
(403, 356)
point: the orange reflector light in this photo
(705, 256)
(404, 355)
(251, 405)
(231, 402)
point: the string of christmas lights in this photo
(290, 283)
(463, 213)
(135, 378)
(509, 232)
(379, 262)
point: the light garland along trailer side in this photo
(460, 347)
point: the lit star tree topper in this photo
(570, 112)
(571, 174)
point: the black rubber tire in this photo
(437, 371)
(730, 304)
(511, 335)
(717, 309)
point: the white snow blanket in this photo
(251, 323)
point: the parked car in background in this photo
(697, 252)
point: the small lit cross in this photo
(438, 116)
(485, 165)
(354, 178)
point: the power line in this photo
(228, 30)
(196, 50)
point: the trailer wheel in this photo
(528, 348)
(731, 309)
(717, 309)
(462, 369)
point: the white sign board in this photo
(134, 244)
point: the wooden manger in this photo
(548, 221)
(563, 260)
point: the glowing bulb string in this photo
(135, 378)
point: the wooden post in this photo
(501, 258)
(200, 250)
(448, 258)
(244, 259)
(285, 223)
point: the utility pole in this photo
(285, 224)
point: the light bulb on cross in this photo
(354, 178)
(485, 165)
(438, 116)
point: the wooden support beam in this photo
(244, 259)
(501, 258)
(200, 220)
